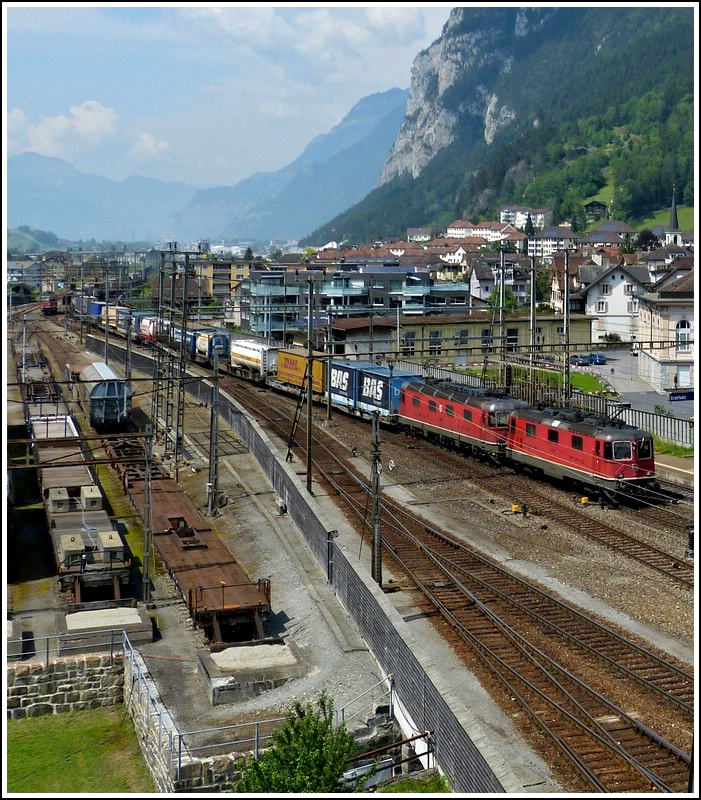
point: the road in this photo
(621, 372)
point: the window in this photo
(461, 337)
(644, 447)
(511, 338)
(605, 288)
(632, 306)
(486, 338)
(449, 411)
(618, 451)
(434, 343)
(553, 436)
(498, 419)
(629, 288)
(683, 335)
(601, 306)
(415, 402)
(432, 406)
(577, 443)
(408, 343)
(458, 301)
(530, 429)
(467, 414)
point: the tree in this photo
(628, 245)
(307, 755)
(248, 255)
(647, 240)
(529, 230)
(510, 299)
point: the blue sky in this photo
(198, 93)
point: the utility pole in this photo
(329, 352)
(148, 518)
(376, 472)
(502, 299)
(181, 374)
(533, 330)
(213, 484)
(310, 417)
(566, 318)
(107, 308)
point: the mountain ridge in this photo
(339, 167)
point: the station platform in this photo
(675, 469)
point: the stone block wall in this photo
(67, 684)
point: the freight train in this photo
(91, 557)
(602, 456)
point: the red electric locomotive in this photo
(472, 419)
(48, 304)
(599, 455)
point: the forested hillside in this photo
(594, 97)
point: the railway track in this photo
(516, 630)
(548, 658)
(531, 497)
(555, 661)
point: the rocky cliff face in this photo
(459, 75)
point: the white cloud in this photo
(90, 124)
(148, 147)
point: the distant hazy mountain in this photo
(50, 194)
(335, 171)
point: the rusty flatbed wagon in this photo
(220, 596)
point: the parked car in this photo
(597, 358)
(580, 361)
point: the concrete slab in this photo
(100, 629)
(240, 673)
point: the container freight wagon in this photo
(94, 311)
(207, 341)
(365, 388)
(130, 324)
(251, 359)
(105, 397)
(292, 370)
(80, 303)
(90, 552)
(110, 316)
(148, 329)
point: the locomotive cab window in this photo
(530, 429)
(498, 419)
(415, 402)
(618, 451)
(644, 447)
(553, 436)
(577, 443)
(467, 414)
(449, 411)
(432, 406)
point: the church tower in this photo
(673, 235)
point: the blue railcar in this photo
(379, 388)
(364, 388)
(80, 303)
(208, 340)
(94, 310)
(343, 383)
